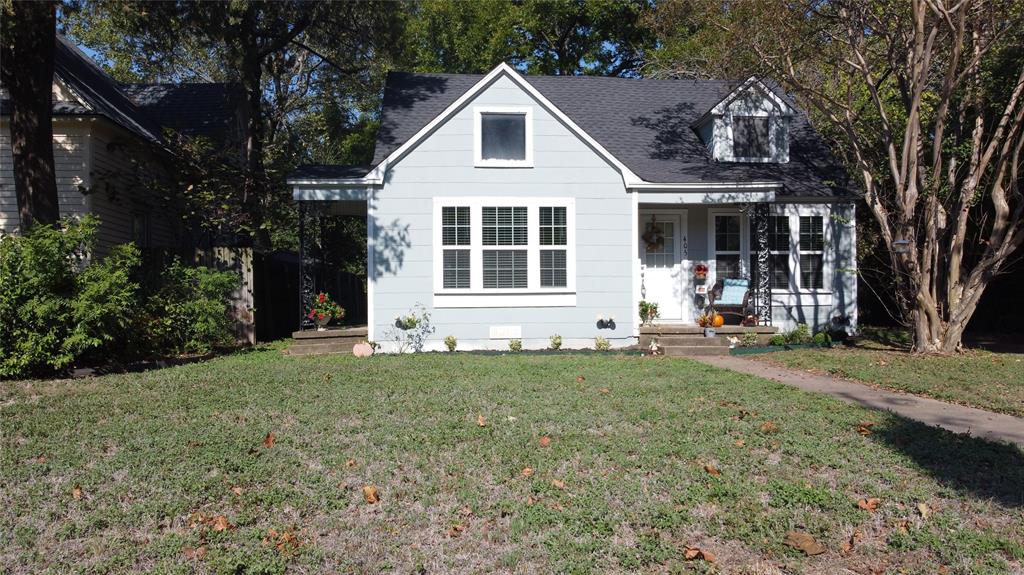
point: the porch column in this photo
(763, 276)
(308, 235)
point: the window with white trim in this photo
(750, 137)
(455, 230)
(812, 252)
(728, 246)
(503, 246)
(778, 248)
(553, 232)
(503, 137)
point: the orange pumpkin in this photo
(718, 321)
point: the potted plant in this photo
(323, 311)
(700, 271)
(648, 312)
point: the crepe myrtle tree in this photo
(925, 101)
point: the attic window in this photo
(504, 137)
(750, 137)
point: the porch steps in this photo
(682, 340)
(333, 340)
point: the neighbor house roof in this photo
(143, 109)
(648, 125)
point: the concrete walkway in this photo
(956, 418)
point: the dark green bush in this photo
(57, 303)
(822, 339)
(187, 310)
(777, 339)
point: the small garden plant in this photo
(515, 345)
(555, 342)
(648, 312)
(410, 331)
(602, 344)
(450, 342)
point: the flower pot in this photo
(321, 324)
(709, 332)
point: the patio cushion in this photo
(733, 291)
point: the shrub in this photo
(450, 342)
(515, 345)
(777, 339)
(822, 339)
(57, 304)
(410, 331)
(555, 341)
(799, 335)
(602, 344)
(749, 339)
(188, 310)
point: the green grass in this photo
(993, 381)
(152, 450)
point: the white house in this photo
(519, 207)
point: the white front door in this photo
(665, 265)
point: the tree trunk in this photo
(29, 34)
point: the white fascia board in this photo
(502, 69)
(329, 193)
(752, 81)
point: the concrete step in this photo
(694, 350)
(664, 329)
(331, 333)
(322, 348)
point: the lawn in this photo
(646, 461)
(993, 381)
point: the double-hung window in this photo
(505, 239)
(778, 248)
(812, 252)
(455, 231)
(517, 250)
(553, 233)
(750, 137)
(728, 246)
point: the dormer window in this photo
(504, 137)
(751, 124)
(750, 137)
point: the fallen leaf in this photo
(903, 526)
(864, 427)
(269, 440)
(769, 427)
(740, 443)
(194, 552)
(527, 471)
(481, 421)
(804, 542)
(41, 459)
(456, 530)
(221, 523)
(558, 484)
(693, 553)
(855, 538)
(580, 379)
(236, 490)
(545, 441)
(869, 504)
(76, 491)
(924, 510)
(605, 390)
(466, 511)
(530, 500)
(943, 570)
(370, 494)
(845, 549)
(512, 419)
(711, 469)
(350, 463)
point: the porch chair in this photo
(731, 297)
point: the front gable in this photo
(751, 124)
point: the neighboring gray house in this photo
(516, 206)
(104, 135)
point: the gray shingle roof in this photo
(646, 124)
(143, 109)
(328, 172)
(205, 109)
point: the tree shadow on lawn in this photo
(969, 465)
